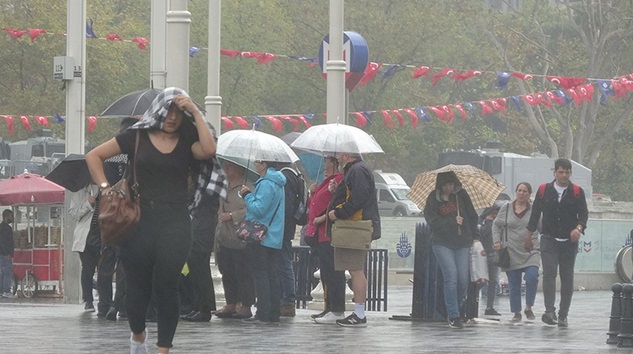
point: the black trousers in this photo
(237, 280)
(263, 264)
(105, 274)
(333, 280)
(201, 280)
(153, 259)
(89, 260)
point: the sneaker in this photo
(89, 307)
(549, 318)
(8, 295)
(329, 318)
(455, 323)
(138, 347)
(492, 312)
(111, 315)
(320, 314)
(517, 317)
(288, 310)
(352, 321)
(562, 322)
(529, 315)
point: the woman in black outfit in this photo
(154, 255)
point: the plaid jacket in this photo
(211, 178)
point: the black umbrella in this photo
(135, 103)
(72, 172)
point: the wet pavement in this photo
(50, 326)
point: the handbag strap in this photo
(506, 224)
(135, 185)
(275, 213)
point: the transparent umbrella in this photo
(332, 138)
(243, 147)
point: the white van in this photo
(391, 192)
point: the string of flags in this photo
(567, 90)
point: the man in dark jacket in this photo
(564, 209)
(284, 267)
(6, 253)
(355, 199)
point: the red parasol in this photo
(29, 188)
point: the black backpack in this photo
(299, 204)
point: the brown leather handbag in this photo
(119, 208)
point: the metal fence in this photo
(376, 270)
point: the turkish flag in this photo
(461, 111)
(399, 116)
(243, 124)
(304, 120)
(35, 32)
(25, 122)
(485, 108)
(291, 120)
(370, 72)
(92, 123)
(42, 120)
(420, 71)
(276, 123)
(15, 33)
(441, 74)
(228, 124)
(388, 121)
(142, 42)
(10, 124)
(414, 117)
(361, 121)
(114, 37)
(498, 104)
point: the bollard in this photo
(625, 338)
(616, 314)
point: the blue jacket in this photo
(262, 202)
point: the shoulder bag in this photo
(503, 259)
(254, 232)
(352, 234)
(119, 208)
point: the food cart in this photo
(37, 207)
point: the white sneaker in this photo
(7, 295)
(329, 318)
(138, 347)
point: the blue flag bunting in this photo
(562, 95)
(89, 31)
(258, 122)
(422, 115)
(58, 118)
(193, 51)
(517, 103)
(367, 114)
(389, 73)
(471, 108)
(309, 116)
(503, 77)
(606, 89)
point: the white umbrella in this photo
(335, 137)
(245, 146)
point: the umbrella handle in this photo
(459, 227)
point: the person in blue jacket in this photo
(266, 204)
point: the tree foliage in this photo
(585, 38)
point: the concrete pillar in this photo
(177, 49)
(335, 66)
(157, 69)
(213, 100)
(75, 133)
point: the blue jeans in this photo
(286, 274)
(6, 274)
(455, 266)
(514, 281)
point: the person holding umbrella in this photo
(173, 136)
(266, 204)
(453, 221)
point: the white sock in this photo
(359, 310)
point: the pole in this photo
(177, 53)
(213, 100)
(336, 66)
(158, 71)
(75, 132)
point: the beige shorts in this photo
(349, 259)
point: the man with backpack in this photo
(296, 214)
(564, 209)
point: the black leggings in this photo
(153, 259)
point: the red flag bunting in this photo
(398, 116)
(531, 100)
(554, 97)
(142, 42)
(10, 124)
(370, 72)
(566, 82)
(92, 123)
(461, 111)
(25, 122)
(291, 120)
(361, 121)
(41, 119)
(498, 104)
(228, 124)
(441, 74)
(420, 71)
(230, 53)
(15, 33)
(388, 121)
(414, 117)
(114, 37)
(266, 58)
(35, 32)
(541, 99)
(522, 76)
(241, 122)
(461, 77)
(439, 112)
(485, 108)
(304, 121)
(276, 123)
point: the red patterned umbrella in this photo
(29, 188)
